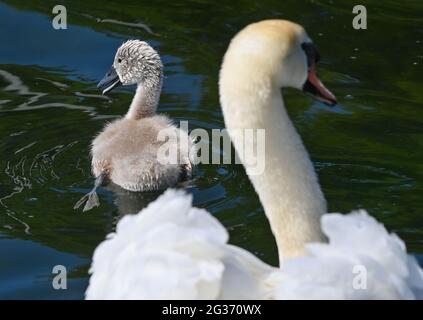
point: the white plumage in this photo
(171, 250)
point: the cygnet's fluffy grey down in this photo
(126, 152)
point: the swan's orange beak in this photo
(317, 89)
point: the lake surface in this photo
(368, 150)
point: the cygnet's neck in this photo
(288, 188)
(146, 99)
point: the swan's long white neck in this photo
(288, 188)
(145, 100)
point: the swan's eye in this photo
(311, 53)
(119, 60)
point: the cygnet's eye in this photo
(119, 60)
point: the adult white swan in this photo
(171, 250)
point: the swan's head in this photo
(278, 52)
(135, 63)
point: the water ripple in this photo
(26, 172)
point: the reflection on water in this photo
(367, 151)
(128, 202)
(25, 172)
(34, 97)
(128, 24)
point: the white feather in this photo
(171, 250)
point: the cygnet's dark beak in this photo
(109, 81)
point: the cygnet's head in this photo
(135, 62)
(278, 52)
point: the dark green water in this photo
(367, 150)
